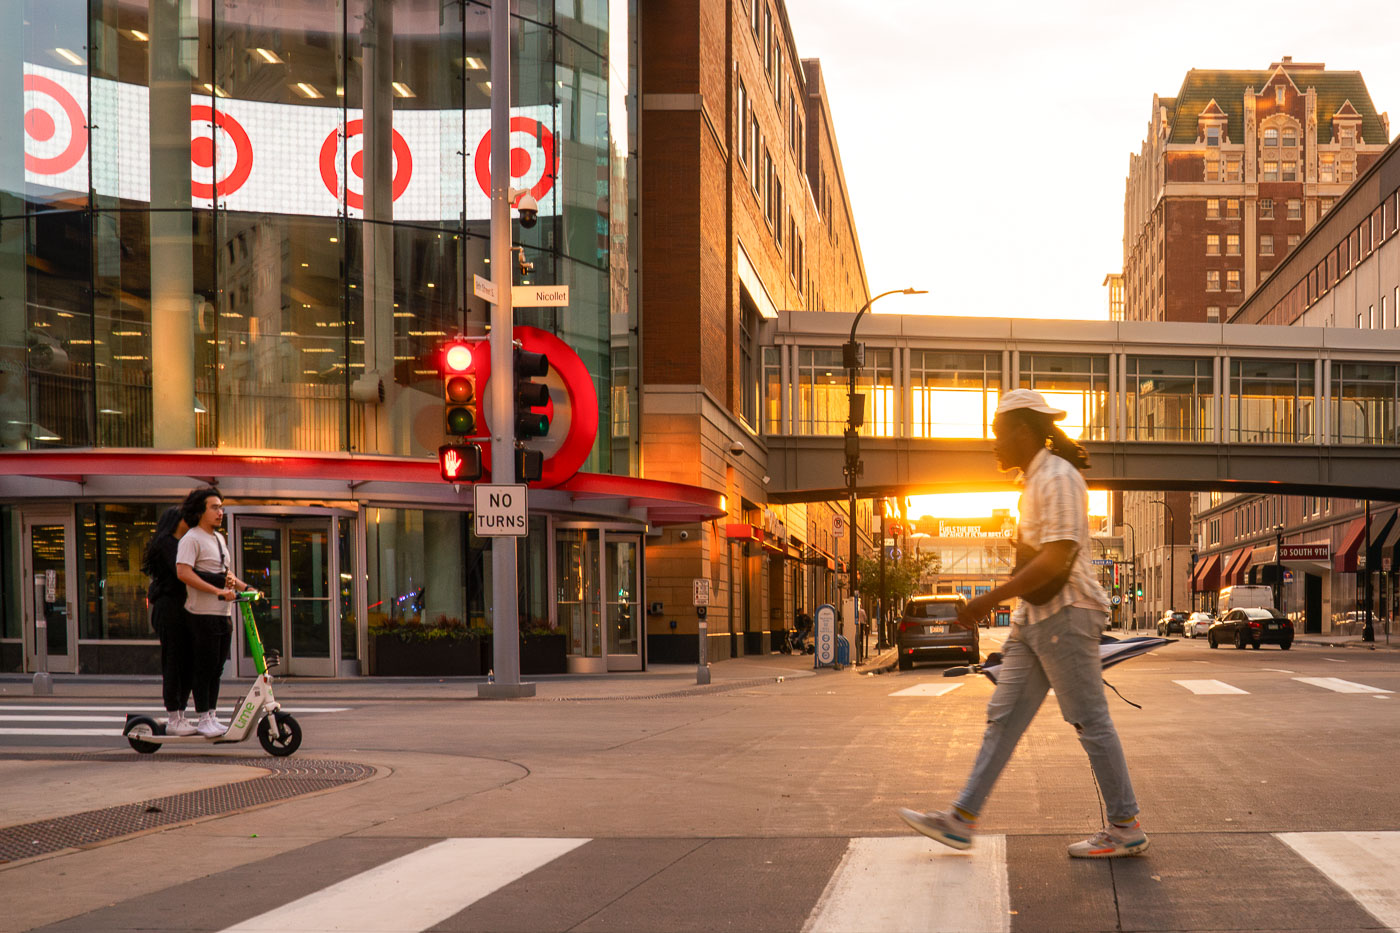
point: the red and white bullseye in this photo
(205, 152)
(48, 106)
(330, 177)
(527, 138)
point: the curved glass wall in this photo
(226, 224)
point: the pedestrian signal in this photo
(460, 463)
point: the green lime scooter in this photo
(278, 732)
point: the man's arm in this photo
(1052, 560)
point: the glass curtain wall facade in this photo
(246, 227)
(225, 224)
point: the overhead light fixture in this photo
(199, 408)
(138, 35)
(37, 432)
(215, 90)
(308, 91)
(401, 89)
(475, 64)
(268, 56)
(72, 58)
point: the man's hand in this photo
(975, 611)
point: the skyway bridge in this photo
(1248, 408)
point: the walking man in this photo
(1054, 638)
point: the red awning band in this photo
(1344, 561)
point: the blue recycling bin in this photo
(843, 651)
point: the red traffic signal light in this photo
(460, 463)
(457, 364)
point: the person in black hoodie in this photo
(166, 596)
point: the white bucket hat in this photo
(1027, 398)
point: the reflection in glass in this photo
(261, 560)
(1170, 399)
(953, 394)
(112, 539)
(1271, 401)
(622, 590)
(1077, 384)
(46, 554)
(345, 586)
(577, 570)
(1364, 403)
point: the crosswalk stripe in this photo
(1364, 864)
(1209, 686)
(1339, 685)
(415, 891)
(907, 883)
(95, 733)
(4, 718)
(153, 710)
(926, 690)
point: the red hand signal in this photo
(451, 463)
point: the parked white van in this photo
(1246, 597)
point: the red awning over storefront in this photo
(1235, 571)
(1344, 561)
(1207, 576)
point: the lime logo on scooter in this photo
(245, 716)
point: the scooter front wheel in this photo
(143, 726)
(287, 741)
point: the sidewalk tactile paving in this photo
(284, 780)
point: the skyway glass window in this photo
(1364, 402)
(1077, 384)
(821, 391)
(1170, 399)
(953, 394)
(1271, 401)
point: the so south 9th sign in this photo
(572, 408)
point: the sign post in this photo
(700, 599)
(825, 624)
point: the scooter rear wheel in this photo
(279, 745)
(140, 726)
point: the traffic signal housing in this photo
(460, 463)
(530, 423)
(457, 364)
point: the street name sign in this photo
(484, 288)
(1321, 551)
(500, 510)
(540, 296)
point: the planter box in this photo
(441, 657)
(539, 654)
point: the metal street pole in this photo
(852, 358)
(1278, 567)
(1171, 545)
(1132, 583)
(880, 620)
(1368, 632)
(505, 623)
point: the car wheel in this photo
(1285, 645)
(1239, 640)
(905, 663)
(1210, 640)
(1256, 645)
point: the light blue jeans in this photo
(1061, 651)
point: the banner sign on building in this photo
(1317, 552)
(280, 158)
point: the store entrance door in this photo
(48, 591)
(293, 561)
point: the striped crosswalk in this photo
(81, 721)
(1004, 884)
(1199, 687)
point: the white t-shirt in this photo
(208, 552)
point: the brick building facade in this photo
(744, 212)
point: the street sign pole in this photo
(505, 624)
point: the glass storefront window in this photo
(10, 625)
(416, 563)
(576, 561)
(112, 540)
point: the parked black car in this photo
(1252, 628)
(929, 631)
(1173, 620)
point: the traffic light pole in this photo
(505, 623)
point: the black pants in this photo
(210, 638)
(171, 623)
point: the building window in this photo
(1232, 280)
(1266, 245)
(1212, 208)
(743, 117)
(1271, 401)
(1266, 208)
(1325, 204)
(1270, 172)
(1290, 138)
(1271, 138)
(1212, 280)
(1348, 137)
(1212, 136)
(1292, 240)
(1346, 172)
(1169, 399)
(1232, 208)
(748, 364)
(1232, 244)
(1295, 209)
(1212, 169)
(1327, 169)
(1290, 171)
(1232, 168)
(1213, 313)
(1212, 244)
(1279, 91)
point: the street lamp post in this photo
(853, 357)
(1132, 584)
(1278, 567)
(1171, 546)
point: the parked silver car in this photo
(1197, 624)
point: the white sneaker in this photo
(209, 725)
(177, 724)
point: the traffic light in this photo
(1138, 594)
(529, 423)
(460, 462)
(457, 363)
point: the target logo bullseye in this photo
(528, 138)
(403, 164)
(55, 125)
(205, 152)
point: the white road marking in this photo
(1364, 864)
(1339, 685)
(1209, 686)
(414, 892)
(1276, 670)
(153, 710)
(1336, 660)
(926, 690)
(95, 733)
(62, 718)
(908, 883)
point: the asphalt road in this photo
(1266, 780)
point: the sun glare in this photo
(982, 504)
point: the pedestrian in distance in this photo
(1054, 637)
(202, 564)
(166, 598)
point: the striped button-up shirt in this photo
(1055, 507)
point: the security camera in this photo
(684, 536)
(529, 210)
(736, 448)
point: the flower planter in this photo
(434, 657)
(539, 654)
